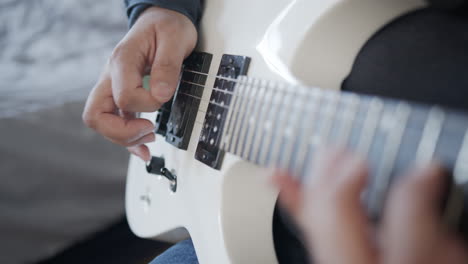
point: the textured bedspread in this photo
(59, 181)
(52, 51)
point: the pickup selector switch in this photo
(157, 166)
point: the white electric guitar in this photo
(208, 177)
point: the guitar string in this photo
(251, 84)
(258, 100)
(328, 95)
(270, 85)
(211, 102)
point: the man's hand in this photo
(157, 43)
(413, 228)
(329, 210)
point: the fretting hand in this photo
(329, 211)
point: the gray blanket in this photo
(59, 181)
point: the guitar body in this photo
(228, 212)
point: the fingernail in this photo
(151, 139)
(139, 153)
(143, 132)
(163, 90)
(135, 151)
(148, 130)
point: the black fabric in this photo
(115, 244)
(450, 5)
(190, 8)
(288, 246)
(421, 56)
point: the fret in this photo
(247, 117)
(227, 133)
(280, 125)
(395, 126)
(349, 116)
(430, 135)
(328, 116)
(325, 122)
(270, 117)
(246, 96)
(370, 125)
(308, 131)
(460, 171)
(263, 127)
(297, 111)
(237, 108)
(267, 140)
(254, 121)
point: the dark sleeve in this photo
(190, 8)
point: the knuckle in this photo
(123, 101)
(116, 55)
(340, 195)
(335, 194)
(170, 25)
(404, 190)
(166, 64)
(341, 187)
(88, 119)
(409, 184)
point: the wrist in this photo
(134, 12)
(163, 20)
(192, 9)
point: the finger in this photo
(121, 131)
(127, 68)
(166, 67)
(340, 220)
(412, 224)
(101, 114)
(353, 173)
(143, 140)
(324, 166)
(290, 196)
(140, 151)
(420, 193)
(456, 251)
(351, 224)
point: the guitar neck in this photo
(275, 125)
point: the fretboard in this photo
(276, 125)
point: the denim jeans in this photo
(181, 253)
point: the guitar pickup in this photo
(187, 99)
(209, 149)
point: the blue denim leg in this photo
(181, 253)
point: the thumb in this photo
(166, 69)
